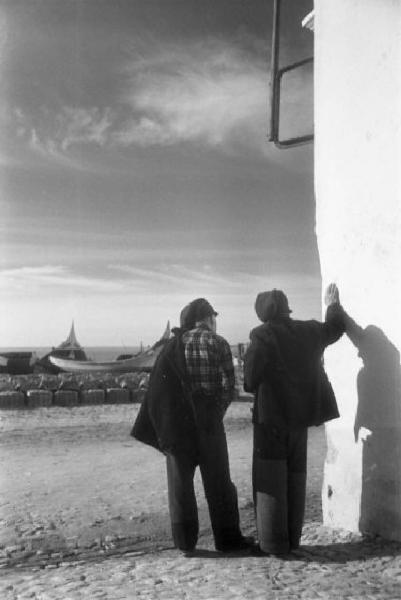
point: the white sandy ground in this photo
(77, 472)
(80, 496)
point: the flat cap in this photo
(270, 305)
(198, 310)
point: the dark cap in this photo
(198, 310)
(270, 305)
(184, 317)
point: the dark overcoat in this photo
(283, 367)
(166, 418)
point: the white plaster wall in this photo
(358, 224)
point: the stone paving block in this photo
(92, 397)
(12, 400)
(39, 398)
(65, 398)
(117, 396)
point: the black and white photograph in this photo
(200, 322)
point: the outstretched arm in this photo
(334, 325)
(352, 329)
(331, 295)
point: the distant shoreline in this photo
(100, 353)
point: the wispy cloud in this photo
(207, 279)
(79, 125)
(209, 92)
(53, 278)
(66, 241)
(130, 279)
(52, 134)
(178, 276)
(49, 149)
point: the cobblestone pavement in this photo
(329, 565)
(91, 523)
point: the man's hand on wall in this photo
(332, 295)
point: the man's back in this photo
(209, 360)
(283, 364)
(292, 346)
(296, 345)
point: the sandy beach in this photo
(84, 515)
(74, 476)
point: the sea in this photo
(98, 353)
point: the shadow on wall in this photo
(378, 425)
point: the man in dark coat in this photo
(190, 388)
(283, 367)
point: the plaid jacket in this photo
(209, 363)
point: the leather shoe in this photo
(242, 543)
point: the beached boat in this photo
(143, 361)
(70, 349)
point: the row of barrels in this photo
(17, 399)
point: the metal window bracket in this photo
(275, 87)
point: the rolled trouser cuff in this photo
(272, 530)
(271, 505)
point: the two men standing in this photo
(190, 388)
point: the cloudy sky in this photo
(136, 173)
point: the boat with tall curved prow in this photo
(70, 349)
(143, 361)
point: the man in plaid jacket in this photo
(211, 381)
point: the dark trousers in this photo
(279, 486)
(220, 492)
